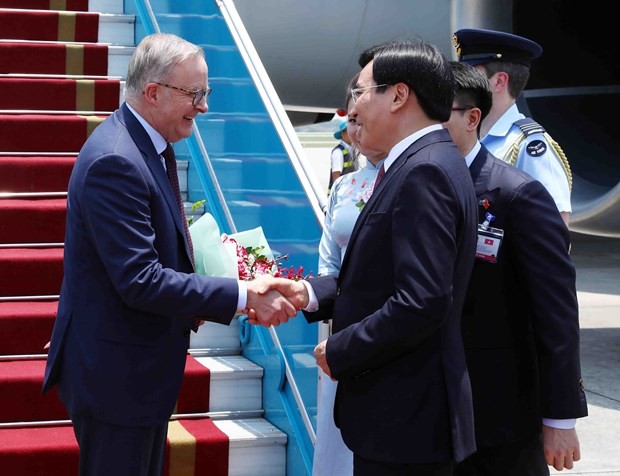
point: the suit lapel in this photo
(153, 162)
(384, 185)
(480, 170)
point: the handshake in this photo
(272, 301)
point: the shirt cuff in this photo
(242, 300)
(313, 302)
(567, 424)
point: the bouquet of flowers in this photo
(244, 255)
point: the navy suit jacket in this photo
(128, 296)
(403, 391)
(520, 320)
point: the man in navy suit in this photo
(520, 320)
(129, 296)
(403, 402)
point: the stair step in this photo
(53, 58)
(255, 448)
(48, 25)
(215, 336)
(236, 383)
(59, 94)
(32, 321)
(31, 272)
(35, 173)
(117, 29)
(54, 133)
(33, 221)
(211, 384)
(69, 5)
(106, 6)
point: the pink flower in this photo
(251, 263)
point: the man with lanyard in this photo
(505, 59)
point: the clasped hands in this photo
(272, 301)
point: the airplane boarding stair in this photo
(62, 66)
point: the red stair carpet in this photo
(59, 94)
(21, 400)
(53, 95)
(50, 26)
(194, 447)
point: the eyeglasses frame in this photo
(356, 93)
(195, 92)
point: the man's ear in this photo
(473, 119)
(152, 93)
(500, 82)
(401, 94)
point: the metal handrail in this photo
(267, 92)
(290, 141)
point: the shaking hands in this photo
(272, 301)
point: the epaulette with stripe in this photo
(529, 126)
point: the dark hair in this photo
(421, 66)
(472, 88)
(518, 74)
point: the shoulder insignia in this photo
(529, 126)
(536, 148)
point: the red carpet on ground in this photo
(49, 26)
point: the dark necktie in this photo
(171, 170)
(380, 175)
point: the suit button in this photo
(187, 332)
(338, 291)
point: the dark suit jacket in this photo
(520, 320)
(121, 335)
(397, 353)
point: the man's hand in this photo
(294, 291)
(561, 447)
(266, 306)
(321, 358)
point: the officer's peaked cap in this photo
(477, 46)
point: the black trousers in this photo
(364, 467)
(113, 450)
(522, 458)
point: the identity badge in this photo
(489, 240)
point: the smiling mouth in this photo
(188, 118)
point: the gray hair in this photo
(154, 60)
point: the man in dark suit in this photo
(403, 402)
(520, 319)
(129, 296)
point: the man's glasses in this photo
(197, 93)
(462, 108)
(357, 92)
